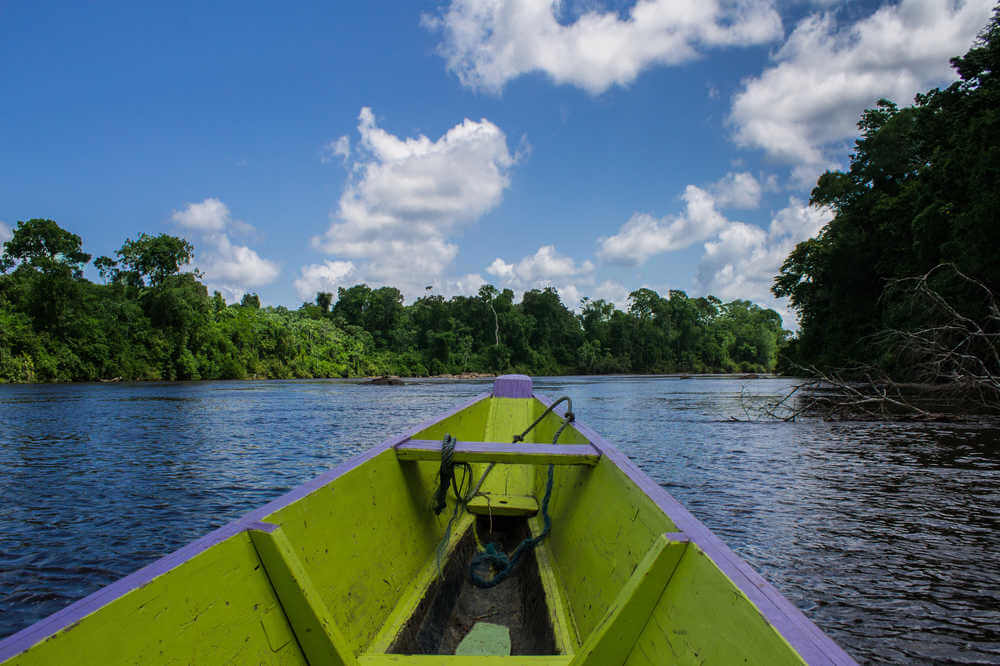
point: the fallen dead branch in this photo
(943, 367)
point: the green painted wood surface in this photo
(702, 618)
(498, 420)
(507, 417)
(485, 639)
(317, 634)
(453, 660)
(216, 608)
(363, 538)
(613, 639)
(411, 598)
(603, 525)
(503, 505)
(564, 630)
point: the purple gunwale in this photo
(36, 633)
(814, 646)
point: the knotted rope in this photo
(446, 474)
(491, 557)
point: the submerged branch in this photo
(945, 366)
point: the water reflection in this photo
(884, 533)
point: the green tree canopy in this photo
(147, 260)
(43, 245)
(922, 190)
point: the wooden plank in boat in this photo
(455, 660)
(503, 505)
(502, 452)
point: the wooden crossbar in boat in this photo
(502, 452)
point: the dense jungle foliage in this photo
(152, 320)
(903, 279)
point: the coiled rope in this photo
(492, 557)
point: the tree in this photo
(147, 260)
(323, 300)
(352, 303)
(49, 268)
(921, 191)
(44, 246)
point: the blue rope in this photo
(493, 557)
(496, 559)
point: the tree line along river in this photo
(885, 534)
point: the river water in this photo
(887, 535)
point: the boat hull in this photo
(336, 570)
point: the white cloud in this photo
(612, 292)
(337, 148)
(644, 236)
(486, 43)
(546, 268)
(229, 268)
(209, 215)
(739, 260)
(737, 190)
(327, 276)
(465, 285)
(407, 196)
(235, 267)
(545, 265)
(803, 110)
(743, 259)
(501, 269)
(5, 233)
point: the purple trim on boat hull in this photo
(808, 640)
(262, 527)
(34, 634)
(512, 386)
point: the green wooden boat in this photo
(355, 568)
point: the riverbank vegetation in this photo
(153, 319)
(897, 296)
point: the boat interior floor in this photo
(453, 605)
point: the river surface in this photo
(887, 535)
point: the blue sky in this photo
(596, 147)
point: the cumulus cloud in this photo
(229, 268)
(5, 233)
(739, 260)
(612, 292)
(208, 215)
(539, 268)
(405, 197)
(486, 43)
(545, 268)
(327, 276)
(464, 285)
(337, 148)
(237, 266)
(737, 190)
(644, 235)
(545, 264)
(804, 108)
(743, 259)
